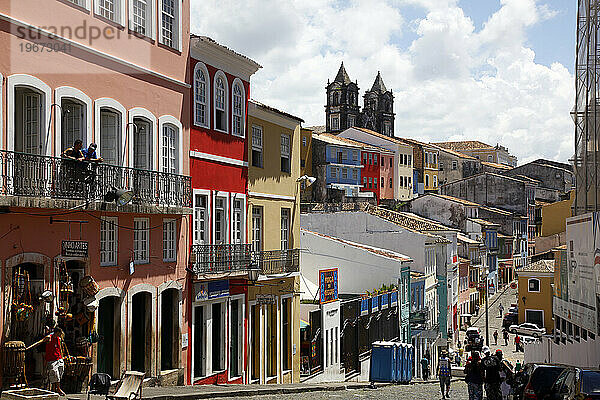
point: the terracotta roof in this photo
(464, 238)
(513, 178)
(353, 142)
(416, 275)
(410, 221)
(370, 249)
(454, 199)
(273, 109)
(316, 128)
(452, 152)
(370, 132)
(483, 222)
(464, 145)
(496, 165)
(208, 40)
(332, 139)
(539, 266)
(496, 210)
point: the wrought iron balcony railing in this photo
(219, 258)
(32, 175)
(278, 261)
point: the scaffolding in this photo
(585, 113)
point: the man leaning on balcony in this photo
(73, 170)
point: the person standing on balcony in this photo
(72, 170)
(74, 152)
(89, 154)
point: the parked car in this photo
(510, 319)
(473, 340)
(575, 384)
(527, 328)
(529, 339)
(534, 381)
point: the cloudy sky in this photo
(500, 71)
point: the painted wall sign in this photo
(364, 306)
(328, 285)
(394, 298)
(74, 248)
(375, 303)
(265, 299)
(384, 301)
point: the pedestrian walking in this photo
(425, 367)
(474, 376)
(505, 336)
(54, 359)
(517, 343)
(501, 310)
(491, 367)
(444, 373)
(457, 359)
(496, 337)
(517, 366)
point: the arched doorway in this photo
(141, 332)
(169, 330)
(109, 343)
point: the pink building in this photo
(112, 72)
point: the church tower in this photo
(378, 110)
(342, 110)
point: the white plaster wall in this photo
(364, 228)
(359, 270)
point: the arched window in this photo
(201, 85)
(220, 102)
(170, 152)
(238, 123)
(336, 98)
(109, 127)
(426, 180)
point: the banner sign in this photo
(74, 248)
(394, 298)
(375, 304)
(384, 301)
(211, 290)
(328, 285)
(364, 306)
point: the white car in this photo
(527, 328)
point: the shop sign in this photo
(364, 306)
(211, 290)
(375, 304)
(74, 248)
(265, 299)
(394, 299)
(384, 301)
(328, 285)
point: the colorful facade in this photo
(306, 163)
(274, 229)
(127, 93)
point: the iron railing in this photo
(278, 261)
(32, 175)
(220, 258)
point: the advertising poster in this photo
(328, 285)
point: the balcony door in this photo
(73, 122)
(144, 184)
(110, 136)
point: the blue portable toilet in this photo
(404, 363)
(411, 352)
(398, 362)
(383, 362)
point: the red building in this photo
(371, 171)
(219, 256)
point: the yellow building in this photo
(274, 230)
(305, 162)
(554, 216)
(535, 293)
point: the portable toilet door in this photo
(398, 362)
(404, 362)
(383, 368)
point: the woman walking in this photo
(474, 376)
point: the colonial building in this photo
(306, 168)
(454, 166)
(220, 255)
(535, 294)
(273, 226)
(342, 110)
(127, 92)
(482, 151)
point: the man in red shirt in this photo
(54, 359)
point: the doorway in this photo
(141, 331)
(198, 337)
(169, 331)
(109, 328)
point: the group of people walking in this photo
(491, 372)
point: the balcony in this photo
(32, 176)
(228, 258)
(278, 261)
(220, 258)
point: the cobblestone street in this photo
(421, 391)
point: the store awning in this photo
(303, 324)
(309, 290)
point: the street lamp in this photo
(119, 196)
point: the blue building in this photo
(337, 167)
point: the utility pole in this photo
(487, 326)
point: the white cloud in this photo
(451, 82)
